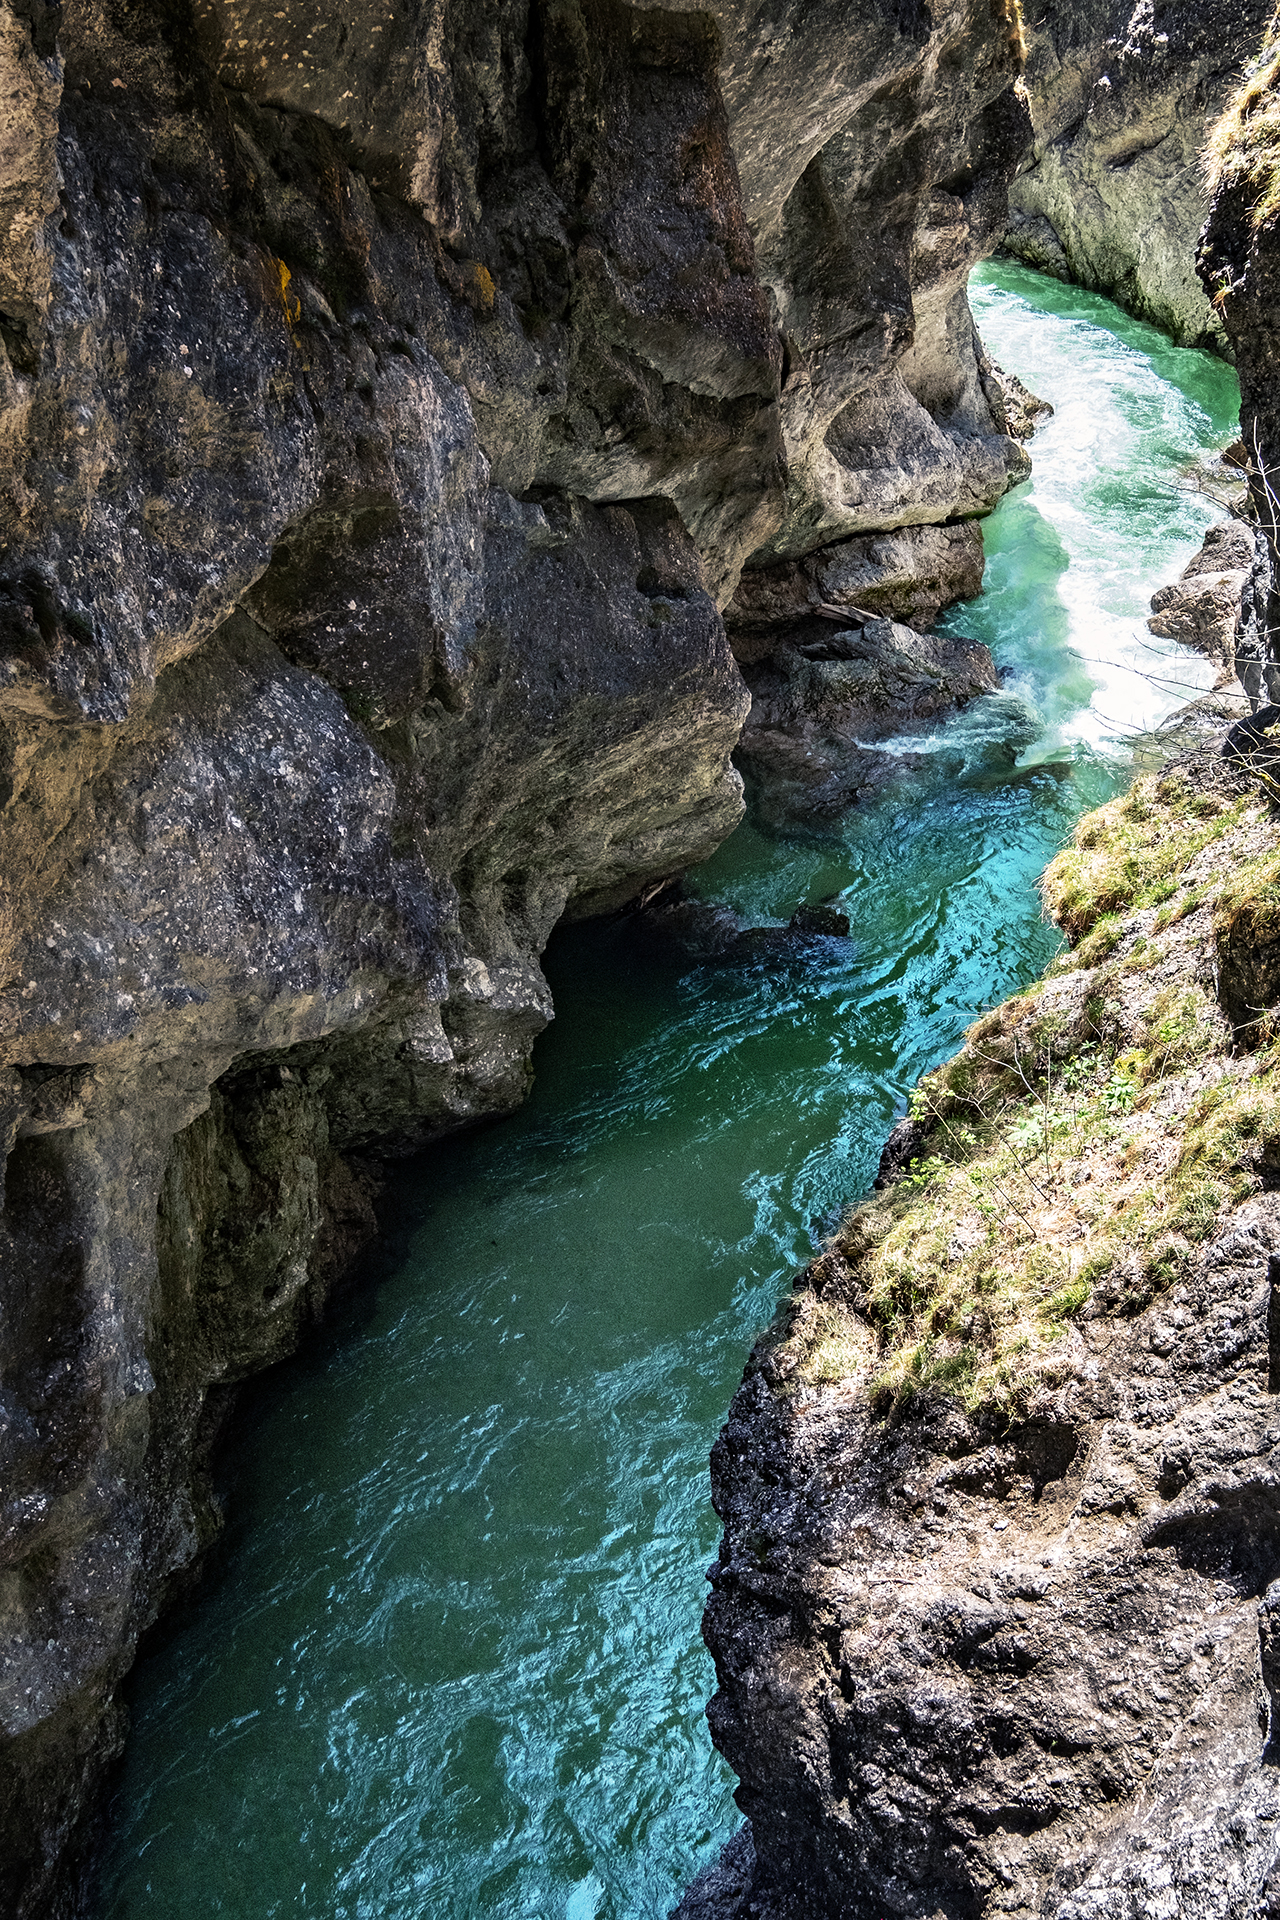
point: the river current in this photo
(447, 1664)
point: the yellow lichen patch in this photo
(1244, 147)
(478, 287)
(289, 301)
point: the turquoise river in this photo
(447, 1663)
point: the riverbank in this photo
(999, 1484)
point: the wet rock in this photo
(1023, 410)
(824, 699)
(1202, 607)
(720, 1891)
(822, 918)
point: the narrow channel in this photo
(448, 1664)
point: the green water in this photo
(448, 1663)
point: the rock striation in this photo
(392, 402)
(1124, 98)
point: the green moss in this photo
(1074, 1165)
(1131, 853)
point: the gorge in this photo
(458, 1608)
(394, 406)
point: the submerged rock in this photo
(703, 930)
(825, 918)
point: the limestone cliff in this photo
(1239, 264)
(1124, 98)
(994, 1612)
(391, 400)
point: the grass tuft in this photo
(1244, 147)
(1129, 854)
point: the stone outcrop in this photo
(391, 402)
(1124, 98)
(826, 697)
(1202, 607)
(993, 1616)
(1239, 264)
(993, 1612)
(823, 704)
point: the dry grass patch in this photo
(1244, 147)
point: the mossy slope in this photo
(1093, 1130)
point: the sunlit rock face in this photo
(1239, 264)
(391, 402)
(1124, 97)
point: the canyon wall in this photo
(993, 1615)
(392, 402)
(1124, 99)
(994, 1611)
(1240, 262)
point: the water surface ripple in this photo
(448, 1664)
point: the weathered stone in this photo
(1202, 607)
(908, 574)
(822, 699)
(388, 405)
(1123, 98)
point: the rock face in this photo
(390, 403)
(1010, 1649)
(825, 698)
(1239, 263)
(1124, 97)
(1202, 607)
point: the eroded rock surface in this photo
(825, 700)
(390, 404)
(1239, 264)
(1124, 98)
(1202, 607)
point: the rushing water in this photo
(448, 1664)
